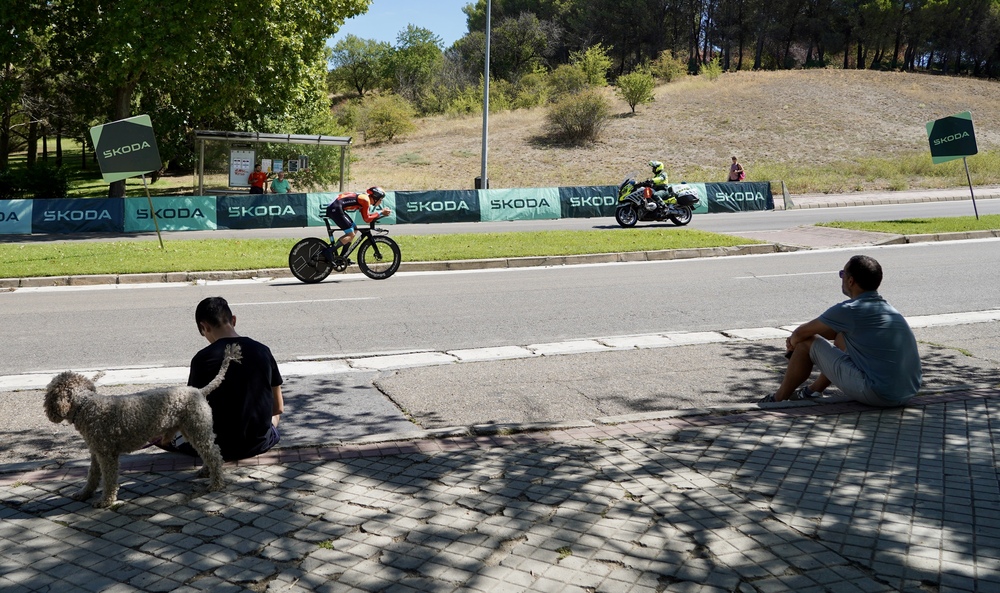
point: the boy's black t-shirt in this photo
(242, 405)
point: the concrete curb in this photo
(441, 266)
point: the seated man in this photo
(247, 405)
(873, 358)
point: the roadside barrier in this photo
(249, 211)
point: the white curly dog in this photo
(112, 425)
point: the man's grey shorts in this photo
(842, 372)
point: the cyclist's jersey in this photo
(350, 202)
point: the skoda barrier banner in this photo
(78, 215)
(172, 213)
(739, 197)
(318, 203)
(437, 206)
(15, 217)
(519, 204)
(261, 211)
(591, 201)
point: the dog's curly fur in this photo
(112, 425)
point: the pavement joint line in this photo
(489, 436)
(399, 360)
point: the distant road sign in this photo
(126, 148)
(952, 137)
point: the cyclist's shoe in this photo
(329, 254)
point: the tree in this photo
(594, 62)
(416, 60)
(22, 45)
(635, 88)
(360, 64)
(198, 61)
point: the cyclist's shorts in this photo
(335, 212)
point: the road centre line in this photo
(307, 301)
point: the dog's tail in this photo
(233, 354)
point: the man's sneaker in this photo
(803, 394)
(767, 399)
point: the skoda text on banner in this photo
(437, 206)
(126, 148)
(739, 197)
(592, 201)
(78, 215)
(261, 211)
(15, 217)
(173, 214)
(519, 204)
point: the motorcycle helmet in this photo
(657, 167)
(376, 193)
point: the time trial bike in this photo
(311, 259)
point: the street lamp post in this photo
(483, 179)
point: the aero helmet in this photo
(376, 193)
(657, 167)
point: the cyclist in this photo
(659, 182)
(346, 202)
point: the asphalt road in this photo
(120, 325)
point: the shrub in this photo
(567, 79)
(594, 62)
(579, 118)
(668, 68)
(45, 182)
(531, 91)
(386, 117)
(635, 88)
(711, 70)
(11, 184)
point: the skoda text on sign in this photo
(951, 138)
(126, 148)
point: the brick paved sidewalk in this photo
(800, 497)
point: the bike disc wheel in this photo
(683, 217)
(379, 258)
(306, 262)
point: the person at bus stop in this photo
(258, 181)
(346, 202)
(873, 356)
(281, 185)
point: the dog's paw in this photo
(216, 486)
(81, 495)
(105, 503)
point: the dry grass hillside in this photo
(776, 122)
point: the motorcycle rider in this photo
(658, 183)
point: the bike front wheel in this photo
(306, 260)
(379, 257)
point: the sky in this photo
(386, 18)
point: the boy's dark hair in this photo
(866, 271)
(213, 311)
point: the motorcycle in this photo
(637, 201)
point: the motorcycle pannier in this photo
(687, 200)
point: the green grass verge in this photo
(922, 226)
(180, 255)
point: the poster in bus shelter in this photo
(240, 166)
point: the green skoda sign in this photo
(951, 138)
(126, 148)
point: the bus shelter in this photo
(203, 136)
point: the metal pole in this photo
(486, 98)
(152, 211)
(201, 170)
(969, 177)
